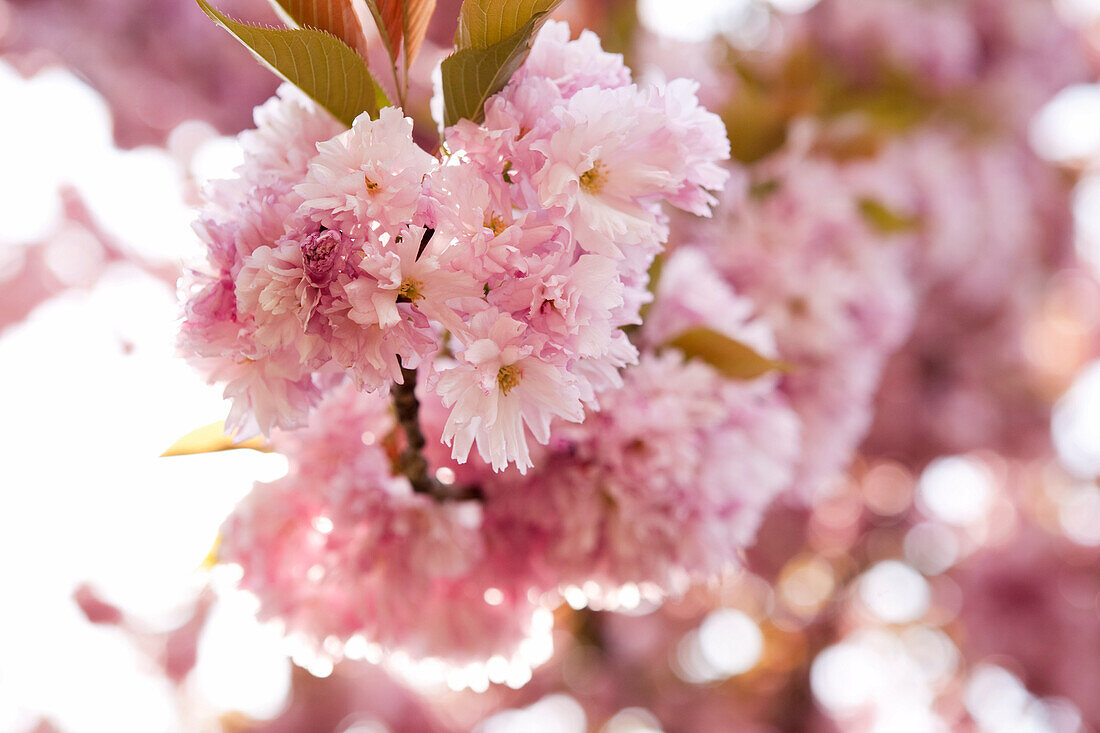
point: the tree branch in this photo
(412, 462)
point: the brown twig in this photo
(412, 462)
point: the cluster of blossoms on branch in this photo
(503, 271)
(500, 287)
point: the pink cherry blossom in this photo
(341, 547)
(667, 481)
(835, 295)
(573, 65)
(600, 166)
(500, 386)
(367, 177)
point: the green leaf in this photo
(483, 23)
(492, 41)
(337, 17)
(886, 220)
(757, 124)
(318, 63)
(211, 439)
(765, 188)
(655, 270)
(733, 359)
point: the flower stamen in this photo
(508, 377)
(411, 289)
(593, 179)
(496, 223)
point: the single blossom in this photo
(281, 287)
(368, 179)
(416, 267)
(501, 385)
(601, 166)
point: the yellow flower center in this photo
(593, 179)
(372, 187)
(496, 223)
(508, 377)
(410, 288)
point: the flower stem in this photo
(412, 462)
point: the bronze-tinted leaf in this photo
(402, 22)
(389, 16)
(886, 220)
(418, 14)
(733, 359)
(211, 439)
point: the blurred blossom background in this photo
(941, 576)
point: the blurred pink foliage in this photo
(157, 63)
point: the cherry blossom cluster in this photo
(996, 229)
(666, 484)
(836, 294)
(341, 548)
(504, 269)
(1009, 56)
